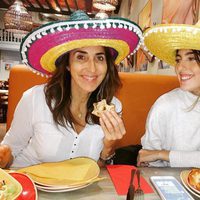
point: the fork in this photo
(131, 189)
(139, 194)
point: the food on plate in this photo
(102, 106)
(6, 190)
(194, 178)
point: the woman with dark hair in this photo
(173, 124)
(59, 82)
(54, 121)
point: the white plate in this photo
(184, 177)
(195, 190)
(59, 187)
(49, 189)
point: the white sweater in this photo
(172, 126)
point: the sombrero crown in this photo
(163, 40)
(43, 46)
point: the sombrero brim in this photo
(163, 40)
(42, 47)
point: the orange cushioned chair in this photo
(138, 93)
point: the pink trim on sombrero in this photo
(40, 46)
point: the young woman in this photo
(173, 128)
(54, 121)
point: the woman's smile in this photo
(90, 78)
(88, 68)
(185, 77)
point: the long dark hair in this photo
(197, 58)
(58, 91)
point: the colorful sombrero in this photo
(43, 46)
(163, 40)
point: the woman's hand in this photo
(5, 156)
(146, 156)
(114, 130)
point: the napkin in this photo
(69, 172)
(121, 174)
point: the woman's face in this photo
(188, 71)
(88, 68)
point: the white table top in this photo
(104, 190)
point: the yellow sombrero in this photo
(163, 40)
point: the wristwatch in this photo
(108, 160)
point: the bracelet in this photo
(108, 160)
(109, 157)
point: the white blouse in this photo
(35, 138)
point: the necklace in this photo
(78, 112)
(80, 115)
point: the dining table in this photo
(105, 190)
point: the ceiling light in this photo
(103, 6)
(17, 19)
(107, 5)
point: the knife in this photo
(131, 189)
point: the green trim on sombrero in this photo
(163, 40)
(49, 58)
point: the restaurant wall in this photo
(7, 58)
(7, 61)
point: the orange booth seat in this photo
(138, 93)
